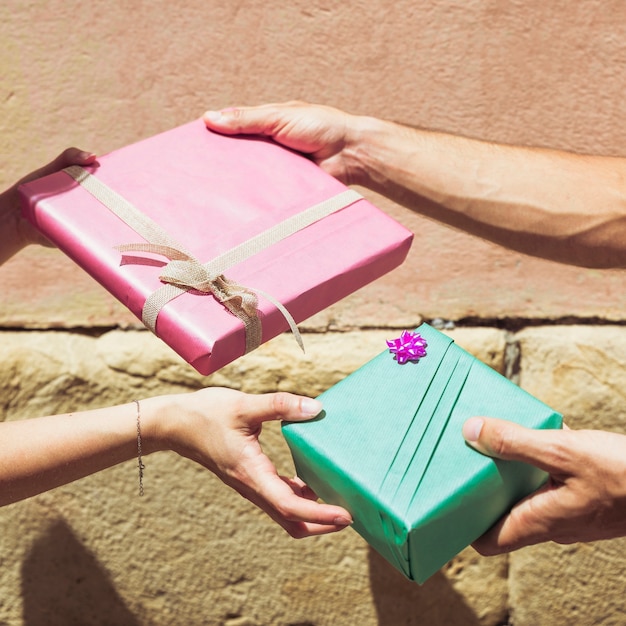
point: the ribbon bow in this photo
(187, 273)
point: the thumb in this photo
(239, 120)
(70, 156)
(278, 406)
(73, 156)
(506, 440)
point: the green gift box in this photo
(388, 447)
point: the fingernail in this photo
(86, 156)
(472, 428)
(213, 116)
(342, 521)
(310, 407)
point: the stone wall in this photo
(191, 551)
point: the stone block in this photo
(580, 371)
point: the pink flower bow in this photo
(408, 347)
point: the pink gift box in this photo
(211, 193)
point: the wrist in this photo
(15, 232)
(166, 422)
(154, 423)
(11, 233)
(372, 145)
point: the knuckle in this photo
(67, 155)
(502, 440)
(237, 120)
(296, 532)
(283, 510)
(282, 402)
(236, 114)
(239, 408)
(557, 454)
(562, 452)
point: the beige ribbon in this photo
(184, 272)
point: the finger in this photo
(529, 522)
(298, 530)
(289, 503)
(256, 409)
(73, 156)
(300, 488)
(260, 120)
(70, 156)
(510, 441)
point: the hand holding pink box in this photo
(215, 242)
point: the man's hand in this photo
(584, 498)
(325, 134)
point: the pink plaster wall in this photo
(100, 75)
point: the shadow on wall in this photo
(64, 585)
(401, 602)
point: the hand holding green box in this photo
(388, 447)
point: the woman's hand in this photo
(16, 232)
(219, 428)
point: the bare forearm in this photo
(557, 205)
(39, 454)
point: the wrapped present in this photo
(217, 243)
(388, 447)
